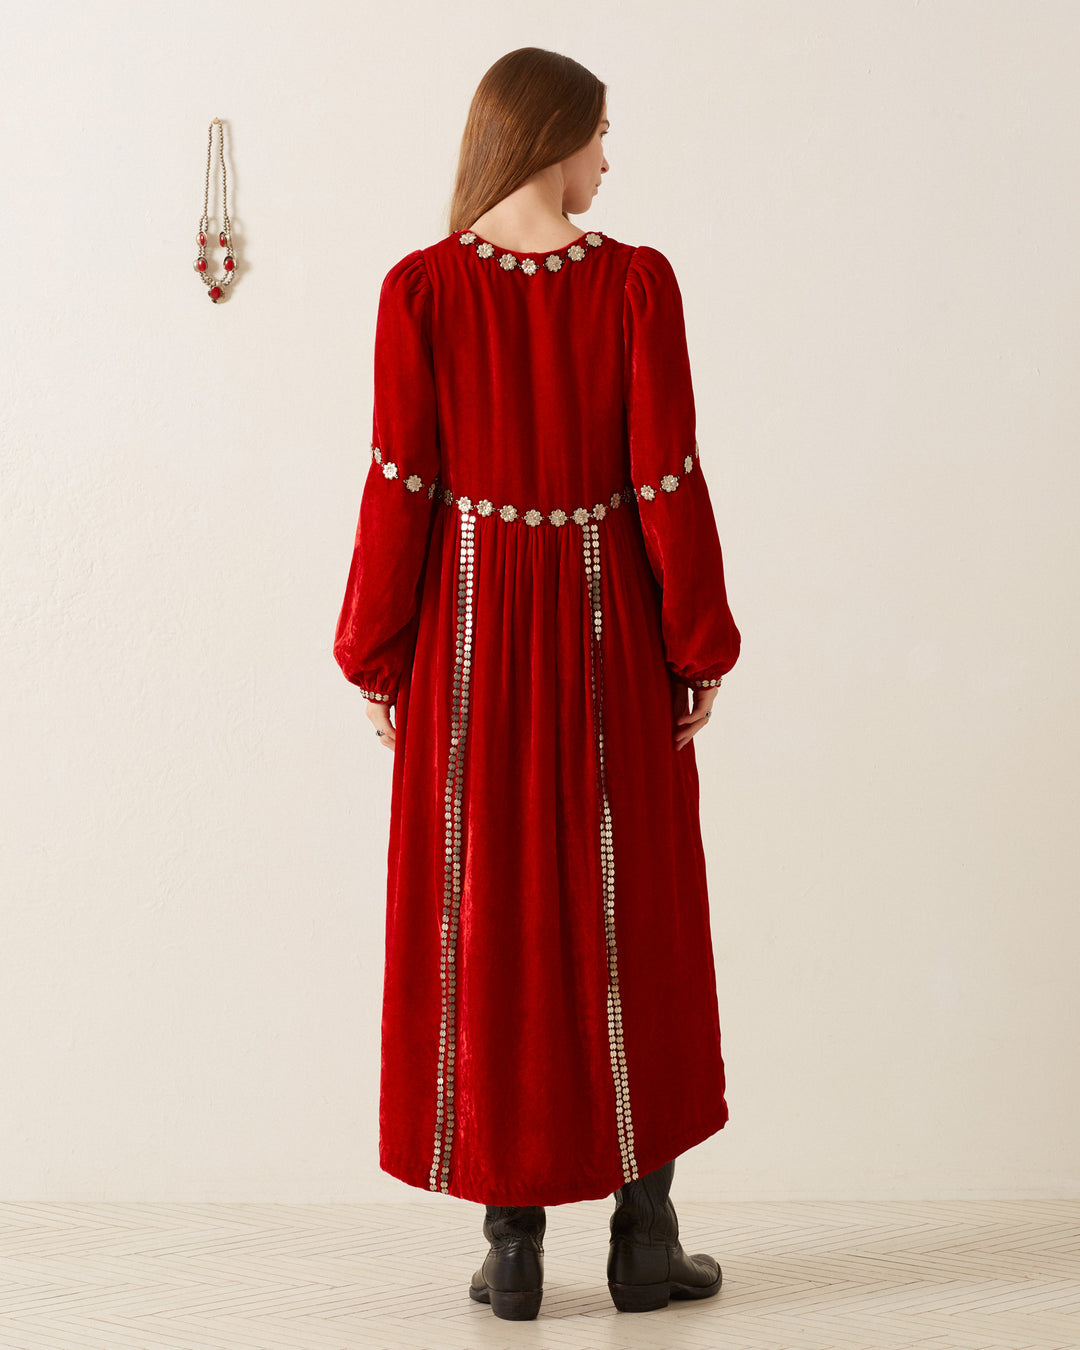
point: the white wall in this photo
(873, 211)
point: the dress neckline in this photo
(531, 261)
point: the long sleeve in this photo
(376, 629)
(701, 641)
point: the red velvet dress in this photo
(536, 582)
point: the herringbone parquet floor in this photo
(979, 1275)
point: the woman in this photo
(536, 584)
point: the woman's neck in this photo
(514, 227)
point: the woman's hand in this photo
(690, 723)
(378, 715)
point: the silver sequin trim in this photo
(590, 537)
(510, 262)
(439, 1178)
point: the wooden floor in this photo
(980, 1275)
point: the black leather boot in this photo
(646, 1261)
(512, 1276)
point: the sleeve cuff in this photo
(373, 696)
(690, 683)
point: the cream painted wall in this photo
(873, 211)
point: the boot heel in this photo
(516, 1305)
(640, 1297)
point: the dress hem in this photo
(411, 1175)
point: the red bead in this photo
(200, 239)
(221, 238)
(200, 263)
(229, 263)
(215, 292)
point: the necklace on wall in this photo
(216, 284)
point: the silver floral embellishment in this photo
(510, 262)
(669, 482)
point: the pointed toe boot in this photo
(647, 1265)
(511, 1278)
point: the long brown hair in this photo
(531, 109)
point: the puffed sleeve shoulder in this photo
(701, 640)
(376, 628)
